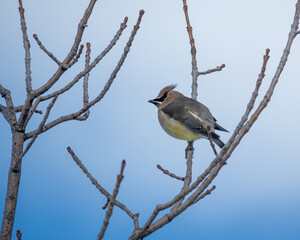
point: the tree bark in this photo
(14, 176)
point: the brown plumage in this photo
(185, 118)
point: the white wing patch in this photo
(195, 116)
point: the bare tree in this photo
(191, 192)
(22, 140)
(200, 188)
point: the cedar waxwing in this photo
(185, 118)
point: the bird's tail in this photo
(218, 142)
(218, 127)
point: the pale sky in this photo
(257, 192)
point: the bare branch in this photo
(63, 67)
(193, 51)
(136, 221)
(189, 162)
(74, 116)
(269, 93)
(40, 127)
(19, 109)
(170, 216)
(85, 82)
(205, 194)
(45, 50)
(26, 45)
(216, 69)
(189, 153)
(179, 198)
(81, 26)
(8, 111)
(92, 65)
(210, 140)
(169, 173)
(75, 60)
(32, 110)
(189, 150)
(39, 130)
(97, 185)
(112, 202)
(86, 76)
(250, 105)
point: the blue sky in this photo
(257, 194)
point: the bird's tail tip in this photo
(218, 142)
(218, 127)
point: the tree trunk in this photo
(14, 176)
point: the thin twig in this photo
(32, 110)
(85, 82)
(72, 53)
(9, 113)
(61, 69)
(92, 65)
(45, 50)
(216, 69)
(26, 45)
(113, 75)
(170, 216)
(86, 76)
(193, 51)
(251, 102)
(81, 27)
(169, 173)
(112, 202)
(208, 191)
(75, 60)
(80, 75)
(189, 152)
(39, 130)
(210, 140)
(97, 185)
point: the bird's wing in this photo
(192, 114)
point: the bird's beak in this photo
(154, 101)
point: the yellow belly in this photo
(175, 128)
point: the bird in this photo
(185, 118)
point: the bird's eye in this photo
(161, 99)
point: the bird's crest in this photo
(167, 89)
